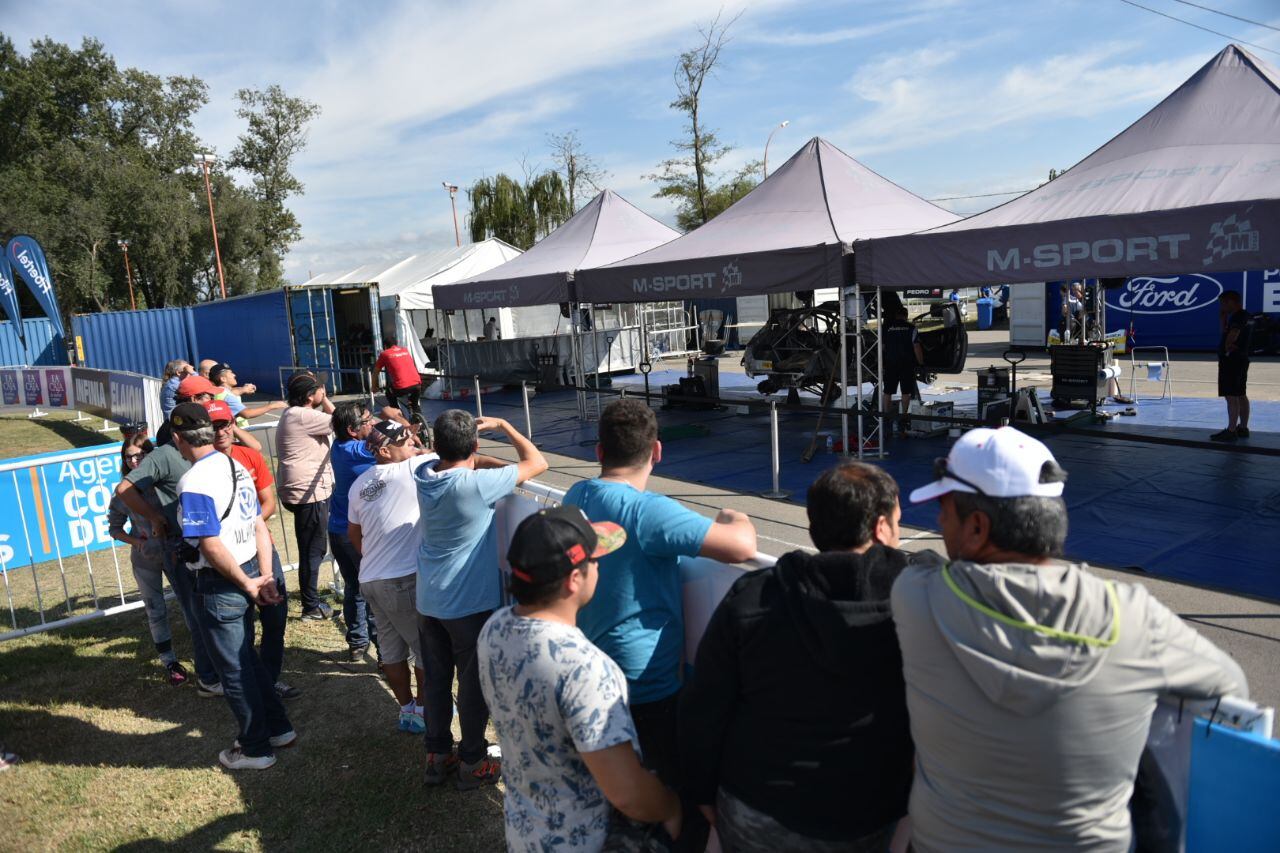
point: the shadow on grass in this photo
(88, 709)
(75, 434)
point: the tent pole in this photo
(857, 346)
(844, 379)
(575, 362)
(880, 435)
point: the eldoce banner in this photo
(9, 298)
(27, 259)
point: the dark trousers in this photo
(310, 526)
(656, 730)
(227, 618)
(182, 581)
(359, 618)
(449, 645)
(410, 396)
(273, 618)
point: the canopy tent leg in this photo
(879, 373)
(844, 378)
(857, 347)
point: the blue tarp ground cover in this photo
(1208, 517)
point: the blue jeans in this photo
(182, 581)
(227, 618)
(360, 628)
(273, 618)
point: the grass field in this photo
(114, 758)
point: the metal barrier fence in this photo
(59, 565)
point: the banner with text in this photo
(9, 297)
(28, 263)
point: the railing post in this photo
(776, 454)
(528, 416)
(479, 407)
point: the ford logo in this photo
(1171, 295)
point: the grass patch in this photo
(114, 758)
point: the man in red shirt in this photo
(402, 376)
(273, 616)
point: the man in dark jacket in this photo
(793, 729)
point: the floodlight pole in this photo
(452, 189)
(128, 274)
(765, 163)
(204, 160)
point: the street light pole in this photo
(204, 160)
(453, 192)
(765, 163)
(128, 274)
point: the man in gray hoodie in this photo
(1030, 681)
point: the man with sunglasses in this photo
(273, 616)
(1030, 681)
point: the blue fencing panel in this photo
(1235, 782)
(250, 333)
(44, 346)
(135, 341)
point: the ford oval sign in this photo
(1167, 295)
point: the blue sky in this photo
(945, 97)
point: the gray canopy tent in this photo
(606, 229)
(1192, 186)
(793, 232)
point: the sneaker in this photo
(1226, 435)
(357, 653)
(284, 691)
(178, 675)
(317, 614)
(1242, 432)
(7, 759)
(283, 741)
(439, 766)
(234, 759)
(209, 691)
(487, 771)
(412, 723)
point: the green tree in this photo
(690, 177)
(519, 213)
(277, 133)
(90, 153)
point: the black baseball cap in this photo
(387, 432)
(215, 372)
(189, 416)
(128, 428)
(552, 542)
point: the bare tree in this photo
(578, 168)
(688, 177)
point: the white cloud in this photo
(926, 97)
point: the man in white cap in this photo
(1030, 681)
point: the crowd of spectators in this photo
(856, 697)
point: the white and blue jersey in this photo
(203, 495)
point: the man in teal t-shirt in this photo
(636, 616)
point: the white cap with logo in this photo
(997, 463)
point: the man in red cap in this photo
(274, 616)
(193, 389)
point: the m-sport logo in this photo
(486, 297)
(1106, 251)
(1171, 295)
(1230, 236)
(729, 277)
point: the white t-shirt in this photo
(384, 502)
(552, 696)
(203, 494)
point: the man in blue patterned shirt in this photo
(559, 704)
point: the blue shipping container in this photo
(250, 333)
(136, 341)
(1179, 312)
(42, 347)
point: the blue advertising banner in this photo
(128, 398)
(56, 507)
(9, 297)
(9, 387)
(27, 260)
(1180, 311)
